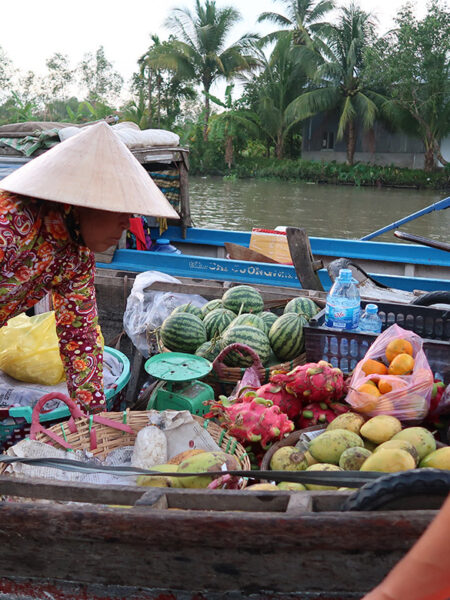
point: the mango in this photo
(310, 458)
(349, 420)
(288, 458)
(390, 460)
(422, 440)
(270, 487)
(352, 458)
(402, 444)
(369, 445)
(322, 467)
(160, 480)
(178, 458)
(381, 428)
(291, 486)
(202, 463)
(439, 459)
(328, 446)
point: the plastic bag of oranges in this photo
(394, 378)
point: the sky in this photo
(33, 30)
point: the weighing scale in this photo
(179, 388)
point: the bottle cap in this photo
(372, 309)
(162, 241)
(345, 274)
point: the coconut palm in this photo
(340, 86)
(199, 50)
(303, 17)
(281, 81)
(232, 123)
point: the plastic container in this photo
(164, 245)
(344, 349)
(343, 303)
(15, 422)
(370, 322)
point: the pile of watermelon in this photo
(239, 317)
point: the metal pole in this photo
(441, 205)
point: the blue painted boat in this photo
(399, 266)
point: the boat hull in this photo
(401, 266)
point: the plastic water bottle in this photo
(370, 322)
(343, 302)
(164, 245)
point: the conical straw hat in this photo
(93, 169)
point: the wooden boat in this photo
(195, 544)
(398, 266)
(191, 544)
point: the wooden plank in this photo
(69, 491)
(302, 258)
(217, 500)
(206, 550)
(237, 252)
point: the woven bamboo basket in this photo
(96, 433)
(223, 378)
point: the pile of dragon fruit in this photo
(308, 395)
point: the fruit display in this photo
(239, 317)
(342, 446)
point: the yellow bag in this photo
(29, 349)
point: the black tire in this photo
(418, 489)
(432, 298)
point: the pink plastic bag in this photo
(410, 397)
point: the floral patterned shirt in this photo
(38, 255)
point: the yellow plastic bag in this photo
(29, 349)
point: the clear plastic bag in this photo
(410, 397)
(147, 309)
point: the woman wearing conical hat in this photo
(55, 212)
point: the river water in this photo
(322, 210)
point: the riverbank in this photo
(328, 172)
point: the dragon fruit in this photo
(314, 382)
(252, 419)
(316, 414)
(289, 403)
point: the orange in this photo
(371, 367)
(384, 386)
(402, 364)
(398, 346)
(368, 388)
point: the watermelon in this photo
(249, 319)
(302, 306)
(250, 336)
(209, 350)
(244, 299)
(268, 318)
(217, 321)
(190, 308)
(211, 305)
(183, 332)
(286, 335)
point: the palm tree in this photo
(341, 86)
(303, 17)
(231, 123)
(199, 50)
(280, 83)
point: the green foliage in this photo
(412, 64)
(359, 174)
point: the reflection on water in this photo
(323, 210)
